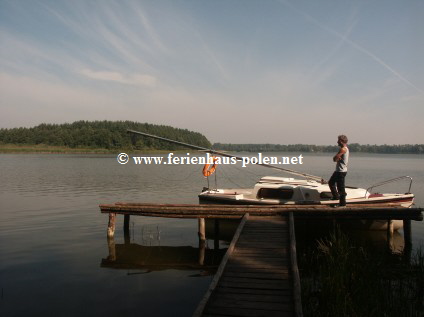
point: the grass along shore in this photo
(341, 278)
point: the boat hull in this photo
(405, 200)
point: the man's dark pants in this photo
(339, 192)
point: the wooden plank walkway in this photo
(256, 276)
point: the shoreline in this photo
(46, 149)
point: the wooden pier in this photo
(258, 276)
(387, 212)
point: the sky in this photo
(237, 71)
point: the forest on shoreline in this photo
(112, 136)
(100, 136)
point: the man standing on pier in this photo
(338, 177)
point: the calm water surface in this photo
(53, 245)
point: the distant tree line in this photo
(113, 135)
(354, 147)
(101, 134)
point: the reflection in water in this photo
(131, 255)
(309, 233)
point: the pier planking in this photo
(256, 277)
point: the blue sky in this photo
(270, 71)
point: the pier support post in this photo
(390, 231)
(407, 237)
(202, 251)
(407, 232)
(202, 240)
(126, 223)
(216, 235)
(112, 249)
(202, 232)
(390, 227)
(111, 225)
(127, 229)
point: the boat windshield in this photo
(275, 193)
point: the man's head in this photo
(341, 140)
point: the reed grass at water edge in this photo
(342, 278)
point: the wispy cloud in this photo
(212, 57)
(103, 33)
(346, 39)
(165, 63)
(128, 79)
(320, 73)
(150, 30)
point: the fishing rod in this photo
(199, 148)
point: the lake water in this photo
(53, 245)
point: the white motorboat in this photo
(272, 190)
